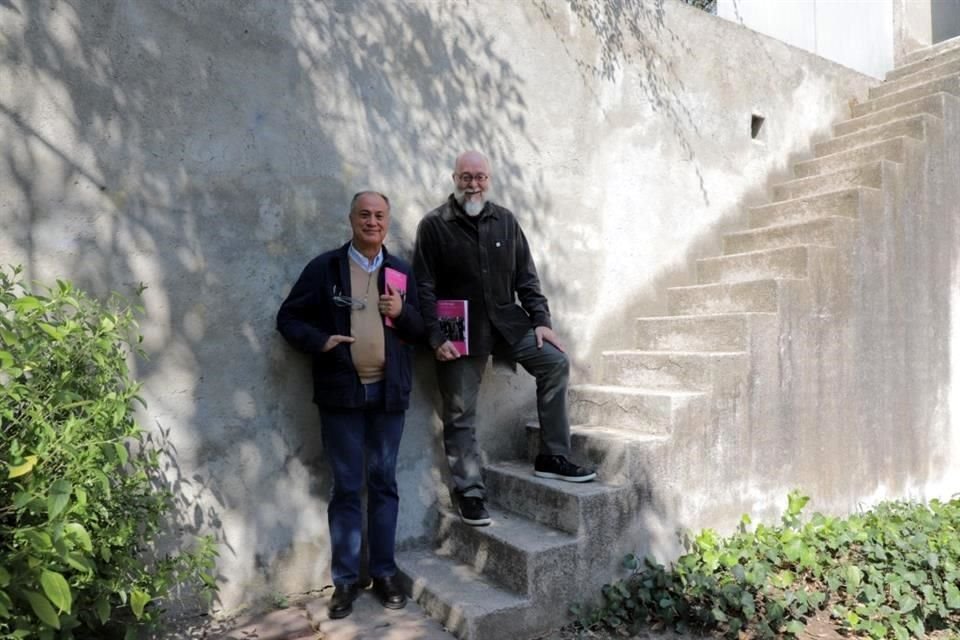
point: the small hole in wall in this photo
(756, 124)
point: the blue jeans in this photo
(349, 436)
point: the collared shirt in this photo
(485, 260)
(367, 265)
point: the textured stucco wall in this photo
(208, 149)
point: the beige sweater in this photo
(366, 325)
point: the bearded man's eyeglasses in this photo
(470, 177)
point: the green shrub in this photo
(891, 572)
(82, 501)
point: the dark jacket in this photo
(308, 317)
(485, 260)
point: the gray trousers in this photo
(459, 382)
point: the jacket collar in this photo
(343, 265)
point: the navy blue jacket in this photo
(308, 317)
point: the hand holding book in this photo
(455, 325)
(391, 303)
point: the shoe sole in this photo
(482, 522)
(394, 605)
(340, 614)
(557, 476)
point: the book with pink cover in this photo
(396, 280)
(455, 323)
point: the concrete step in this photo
(945, 69)
(783, 262)
(469, 606)
(928, 61)
(672, 370)
(894, 150)
(843, 202)
(718, 332)
(914, 126)
(578, 508)
(932, 51)
(620, 455)
(950, 84)
(652, 411)
(724, 297)
(932, 105)
(831, 231)
(866, 175)
(519, 554)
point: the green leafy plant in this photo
(82, 502)
(892, 572)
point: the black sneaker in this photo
(472, 511)
(559, 468)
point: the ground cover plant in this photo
(82, 501)
(891, 572)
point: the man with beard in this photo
(472, 249)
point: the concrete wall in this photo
(945, 18)
(856, 33)
(209, 150)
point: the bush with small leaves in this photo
(892, 572)
(82, 502)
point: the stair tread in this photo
(718, 316)
(637, 391)
(943, 69)
(522, 469)
(518, 531)
(793, 248)
(663, 352)
(880, 113)
(892, 98)
(763, 281)
(825, 195)
(822, 176)
(909, 69)
(457, 583)
(853, 150)
(637, 437)
(890, 123)
(782, 226)
(631, 435)
(933, 50)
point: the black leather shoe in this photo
(390, 592)
(341, 603)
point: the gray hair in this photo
(360, 194)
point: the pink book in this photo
(396, 280)
(455, 323)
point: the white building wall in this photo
(856, 33)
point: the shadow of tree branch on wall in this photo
(209, 150)
(631, 35)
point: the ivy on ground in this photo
(891, 572)
(82, 501)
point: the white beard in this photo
(472, 208)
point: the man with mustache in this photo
(470, 248)
(358, 329)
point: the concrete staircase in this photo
(703, 378)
